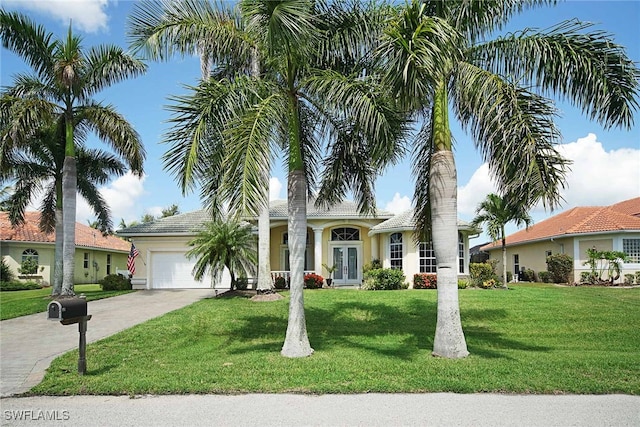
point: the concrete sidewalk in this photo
(28, 344)
(334, 410)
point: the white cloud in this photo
(275, 186)
(398, 204)
(597, 178)
(85, 15)
(121, 196)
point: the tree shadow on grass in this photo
(399, 330)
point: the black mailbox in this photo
(67, 308)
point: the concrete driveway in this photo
(28, 344)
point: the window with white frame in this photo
(427, 258)
(460, 253)
(631, 247)
(30, 254)
(395, 250)
(345, 234)
(108, 264)
(85, 260)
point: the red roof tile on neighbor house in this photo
(581, 220)
(30, 232)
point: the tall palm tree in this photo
(438, 57)
(38, 167)
(495, 212)
(315, 88)
(65, 79)
(224, 243)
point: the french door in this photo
(347, 262)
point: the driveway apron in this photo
(28, 344)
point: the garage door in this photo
(172, 270)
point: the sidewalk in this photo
(28, 344)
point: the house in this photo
(96, 255)
(573, 232)
(339, 236)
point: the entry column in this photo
(317, 250)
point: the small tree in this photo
(559, 267)
(6, 275)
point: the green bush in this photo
(28, 266)
(638, 277)
(375, 264)
(384, 279)
(19, 286)
(527, 275)
(425, 281)
(544, 276)
(6, 275)
(313, 281)
(588, 278)
(115, 282)
(462, 284)
(241, 283)
(559, 267)
(480, 273)
(280, 282)
(628, 279)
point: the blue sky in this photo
(606, 165)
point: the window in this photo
(631, 247)
(460, 253)
(30, 254)
(427, 258)
(345, 234)
(108, 264)
(516, 264)
(547, 254)
(85, 261)
(395, 248)
(29, 262)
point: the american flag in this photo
(131, 260)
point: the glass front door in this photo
(345, 258)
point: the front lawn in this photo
(531, 339)
(20, 303)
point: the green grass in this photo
(531, 339)
(20, 303)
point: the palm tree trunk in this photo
(264, 243)
(69, 185)
(504, 260)
(296, 343)
(56, 289)
(449, 339)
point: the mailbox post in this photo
(70, 311)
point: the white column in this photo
(317, 250)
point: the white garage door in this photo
(172, 270)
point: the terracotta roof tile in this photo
(30, 232)
(581, 220)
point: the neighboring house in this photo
(96, 255)
(605, 228)
(338, 236)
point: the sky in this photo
(606, 162)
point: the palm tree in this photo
(38, 167)
(438, 56)
(61, 89)
(495, 212)
(314, 87)
(224, 243)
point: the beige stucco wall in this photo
(12, 254)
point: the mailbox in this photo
(67, 308)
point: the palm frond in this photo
(21, 35)
(106, 65)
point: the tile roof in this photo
(188, 223)
(581, 220)
(30, 232)
(404, 221)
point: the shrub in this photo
(638, 277)
(19, 286)
(6, 275)
(313, 281)
(588, 278)
(375, 264)
(115, 282)
(241, 283)
(280, 282)
(462, 284)
(480, 273)
(384, 279)
(509, 276)
(544, 276)
(425, 281)
(628, 279)
(559, 267)
(527, 275)
(28, 266)
(488, 284)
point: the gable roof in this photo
(188, 223)
(30, 232)
(405, 222)
(622, 216)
